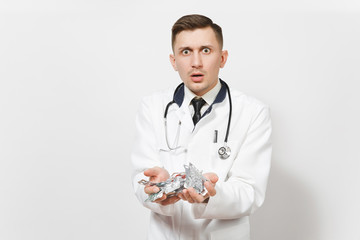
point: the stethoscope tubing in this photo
(230, 113)
(224, 152)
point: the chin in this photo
(195, 87)
(197, 91)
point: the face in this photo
(198, 58)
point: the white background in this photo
(72, 74)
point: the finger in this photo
(160, 199)
(169, 201)
(210, 188)
(181, 196)
(152, 171)
(187, 196)
(212, 177)
(196, 197)
(151, 189)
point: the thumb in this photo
(152, 172)
(212, 177)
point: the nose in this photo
(196, 61)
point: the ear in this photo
(172, 61)
(224, 56)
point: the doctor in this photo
(197, 122)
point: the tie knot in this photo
(197, 103)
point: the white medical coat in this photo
(243, 176)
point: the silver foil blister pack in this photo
(192, 177)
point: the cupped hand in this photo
(158, 174)
(192, 196)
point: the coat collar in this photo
(183, 112)
(179, 96)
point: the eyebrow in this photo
(184, 48)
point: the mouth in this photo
(197, 77)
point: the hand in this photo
(158, 174)
(192, 196)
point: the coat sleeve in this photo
(244, 190)
(145, 155)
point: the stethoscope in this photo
(224, 151)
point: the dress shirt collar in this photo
(209, 97)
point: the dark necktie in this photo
(198, 103)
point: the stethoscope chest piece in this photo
(224, 152)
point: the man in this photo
(196, 129)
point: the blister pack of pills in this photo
(192, 177)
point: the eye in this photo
(185, 52)
(206, 50)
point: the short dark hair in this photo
(192, 22)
